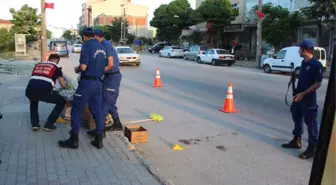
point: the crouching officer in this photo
(304, 107)
(40, 88)
(93, 61)
(111, 85)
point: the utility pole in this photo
(43, 30)
(136, 28)
(121, 23)
(259, 37)
(124, 23)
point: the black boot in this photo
(117, 126)
(295, 143)
(93, 133)
(98, 141)
(72, 142)
(308, 153)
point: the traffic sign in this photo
(137, 42)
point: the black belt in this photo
(113, 73)
(89, 78)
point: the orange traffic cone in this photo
(157, 80)
(229, 103)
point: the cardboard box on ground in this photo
(136, 134)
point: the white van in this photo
(286, 57)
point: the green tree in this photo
(217, 12)
(68, 35)
(320, 9)
(171, 19)
(130, 38)
(106, 29)
(6, 40)
(49, 34)
(279, 25)
(26, 21)
(115, 29)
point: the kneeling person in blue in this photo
(111, 85)
(93, 61)
(304, 107)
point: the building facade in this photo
(83, 18)
(136, 25)
(7, 24)
(243, 28)
(321, 33)
(103, 12)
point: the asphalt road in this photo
(240, 148)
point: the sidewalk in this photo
(246, 63)
(33, 158)
(252, 64)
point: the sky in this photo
(67, 12)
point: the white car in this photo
(171, 51)
(77, 48)
(127, 55)
(216, 57)
(288, 59)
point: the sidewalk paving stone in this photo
(33, 158)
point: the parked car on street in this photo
(171, 51)
(127, 55)
(193, 51)
(60, 47)
(216, 57)
(288, 59)
(157, 47)
(77, 48)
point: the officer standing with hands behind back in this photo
(93, 61)
(111, 85)
(304, 107)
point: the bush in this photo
(7, 42)
(7, 55)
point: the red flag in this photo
(260, 14)
(49, 5)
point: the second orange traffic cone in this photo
(229, 102)
(157, 80)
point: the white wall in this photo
(112, 7)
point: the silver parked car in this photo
(193, 51)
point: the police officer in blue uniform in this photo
(304, 107)
(40, 88)
(111, 85)
(93, 63)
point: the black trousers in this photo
(45, 96)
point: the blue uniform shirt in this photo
(111, 52)
(310, 72)
(93, 54)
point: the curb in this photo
(241, 65)
(154, 172)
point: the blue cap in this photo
(88, 31)
(306, 44)
(99, 33)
